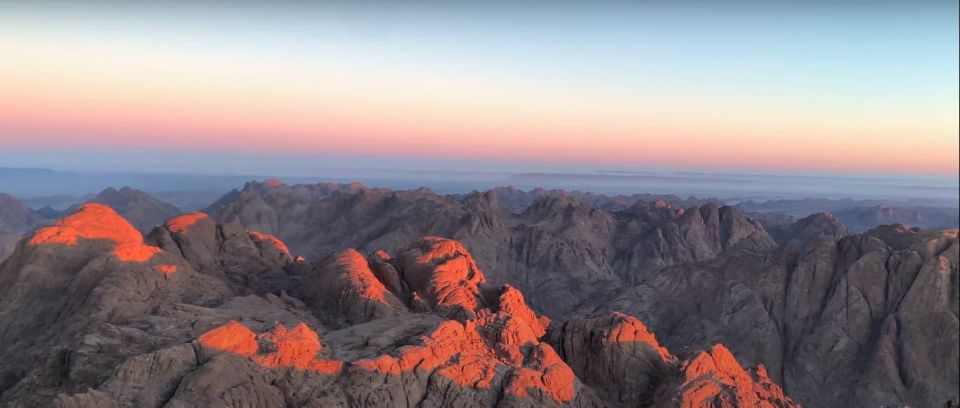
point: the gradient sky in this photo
(866, 87)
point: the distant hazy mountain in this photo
(15, 220)
(190, 200)
(143, 210)
(16, 217)
(517, 201)
(858, 215)
(865, 218)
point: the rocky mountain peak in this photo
(714, 378)
(96, 222)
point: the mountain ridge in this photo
(482, 348)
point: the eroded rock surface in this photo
(94, 315)
(205, 313)
(559, 250)
(853, 320)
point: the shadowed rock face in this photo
(196, 324)
(559, 251)
(16, 217)
(855, 320)
(616, 355)
(15, 220)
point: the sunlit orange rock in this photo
(445, 275)
(297, 348)
(458, 353)
(166, 269)
(547, 373)
(285, 348)
(271, 240)
(97, 222)
(182, 223)
(135, 252)
(767, 386)
(272, 182)
(512, 303)
(627, 328)
(497, 347)
(469, 354)
(715, 379)
(232, 337)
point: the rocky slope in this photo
(198, 313)
(699, 276)
(371, 315)
(850, 320)
(16, 217)
(565, 249)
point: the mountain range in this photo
(343, 295)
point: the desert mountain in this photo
(853, 320)
(565, 249)
(16, 217)
(866, 218)
(698, 276)
(199, 313)
(860, 215)
(517, 201)
(141, 209)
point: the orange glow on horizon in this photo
(68, 91)
(672, 147)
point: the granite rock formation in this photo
(92, 314)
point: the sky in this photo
(773, 86)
